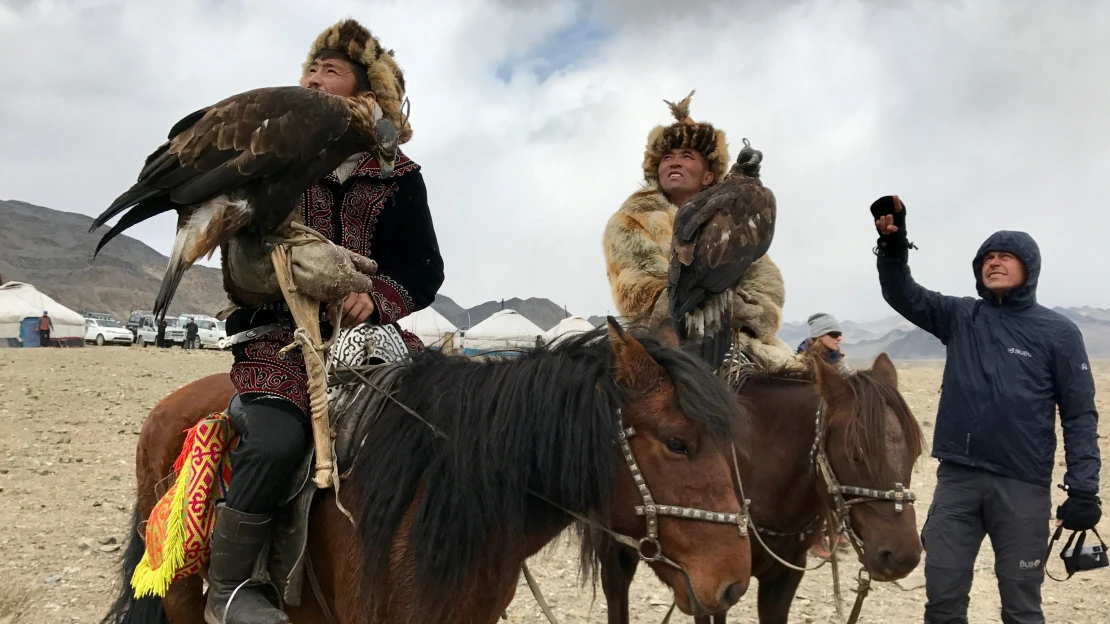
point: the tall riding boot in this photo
(237, 540)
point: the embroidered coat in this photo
(386, 219)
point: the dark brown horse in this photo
(444, 525)
(871, 440)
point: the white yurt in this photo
(431, 327)
(506, 330)
(21, 307)
(570, 326)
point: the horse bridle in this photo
(900, 496)
(651, 511)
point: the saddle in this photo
(355, 407)
(364, 370)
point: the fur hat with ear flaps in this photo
(685, 132)
(386, 78)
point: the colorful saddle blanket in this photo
(181, 522)
(178, 530)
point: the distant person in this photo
(160, 339)
(46, 324)
(539, 341)
(1011, 363)
(824, 339)
(191, 332)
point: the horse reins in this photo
(735, 365)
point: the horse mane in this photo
(544, 422)
(867, 430)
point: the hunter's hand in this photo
(357, 307)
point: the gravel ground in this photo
(68, 424)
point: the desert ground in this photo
(69, 419)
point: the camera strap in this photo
(1071, 564)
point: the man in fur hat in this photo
(385, 218)
(680, 160)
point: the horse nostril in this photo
(733, 594)
(886, 560)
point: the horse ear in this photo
(831, 385)
(667, 335)
(631, 361)
(884, 368)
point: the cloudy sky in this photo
(530, 120)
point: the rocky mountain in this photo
(53, 250)
(543, 312)
(901, 340)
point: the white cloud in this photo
(982, 116)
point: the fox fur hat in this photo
(362, 48)
(702, 137)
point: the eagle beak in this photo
(386, 134)
(386, 168)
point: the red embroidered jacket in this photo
(388, 220)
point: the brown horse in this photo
(444, 525)
(871, 440)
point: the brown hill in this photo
(53, 250)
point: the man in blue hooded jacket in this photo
(1010, 364)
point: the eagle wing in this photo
(718, 234)
(242, 161)
(224, 147)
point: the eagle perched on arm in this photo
(238, 168)
(718, 234)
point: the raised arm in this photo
(927, 309)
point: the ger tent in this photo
(506, 330)
(21, 307)
(567, 327)
(435, 331)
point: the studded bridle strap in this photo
(899, 495)
(651, 511)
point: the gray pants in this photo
(968, 504)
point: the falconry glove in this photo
(897, 244)
(1080, 512)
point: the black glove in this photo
(895, 244)
(1081, 512)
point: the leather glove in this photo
(896, 243)
(1080, 512)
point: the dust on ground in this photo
(69, 419)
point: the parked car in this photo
(100, 316)
(135, 320)
(148, 332)
(209, 330)
(103, 331)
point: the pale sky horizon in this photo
(530, 121)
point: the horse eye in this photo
(676, 446)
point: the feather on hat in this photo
(386, 78)
(701, 137)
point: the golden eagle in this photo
(718, 234)
(240, 167)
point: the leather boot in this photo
(237, 540)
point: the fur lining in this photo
(637, 247)
(685, 132)
(386, 78)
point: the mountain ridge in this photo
(53, 250)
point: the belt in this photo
(248, 335)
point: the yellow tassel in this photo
(155, 582)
